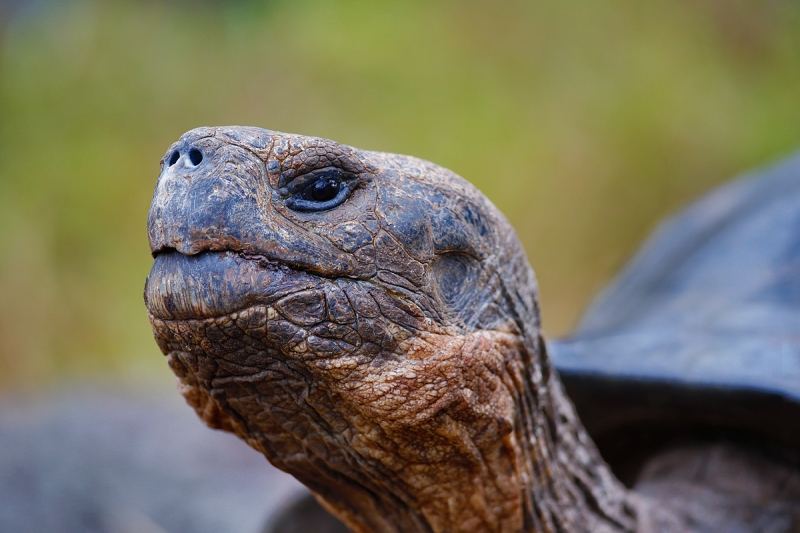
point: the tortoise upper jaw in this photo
(213, 284)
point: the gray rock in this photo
(103, 461)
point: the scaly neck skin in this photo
(526, 465)
(463, 434)
(571, 488)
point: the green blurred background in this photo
(585, 122)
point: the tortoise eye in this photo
(320, 191)
(325, 189)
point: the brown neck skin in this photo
(500, 450)
(524, 464)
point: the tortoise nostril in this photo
(195, 156)
(174, 157)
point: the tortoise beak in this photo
(215, 284)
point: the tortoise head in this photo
(314, 209)
(366, 320)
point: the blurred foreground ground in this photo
(111, 461)
(584, 122)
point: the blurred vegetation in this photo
(585, 122)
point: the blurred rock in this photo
(106, 461)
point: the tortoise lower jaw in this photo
(214, 284)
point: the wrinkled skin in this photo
(385, 351)
(383, 345)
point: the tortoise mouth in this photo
(214, 284)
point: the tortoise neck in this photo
(469, 433)
(567, 485)
(507, 455)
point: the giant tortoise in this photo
(370, 323)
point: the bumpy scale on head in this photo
(369, 322)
